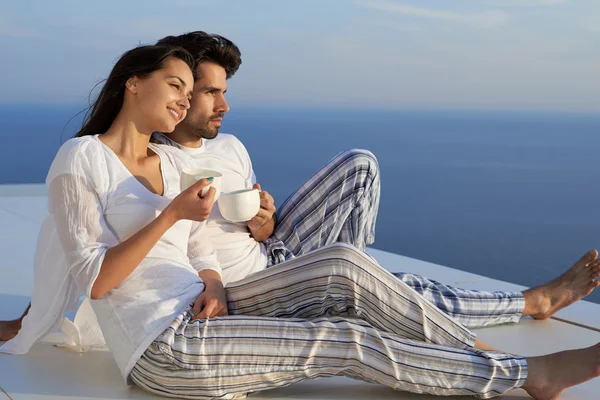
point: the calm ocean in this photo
(513, 196)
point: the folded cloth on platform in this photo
(81, 335)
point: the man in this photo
(339, 203)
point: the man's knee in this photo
(363, 160)
(362, 157)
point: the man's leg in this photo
(476, 309)
(322, 212)
(338, 204)
(472, 308)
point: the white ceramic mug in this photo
(190, 176)
(239, 206)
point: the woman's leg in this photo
(339, 280)
(338, 204)
(227, 357)
(9, 329)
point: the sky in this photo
(363, 54)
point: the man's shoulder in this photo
(161, 138)
(175, 152)
(228, 143)
(229, 147)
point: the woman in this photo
(127, 241)
(115, 224)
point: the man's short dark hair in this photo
(206, 47)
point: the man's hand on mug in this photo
(266, 211)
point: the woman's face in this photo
(163, 98)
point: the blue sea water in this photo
(510, 195)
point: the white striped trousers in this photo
(340, 204)
(331, 312)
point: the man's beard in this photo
(206, 133)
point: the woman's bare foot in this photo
(550, 375)
(544, 301)
(481, 345)
(9, 329)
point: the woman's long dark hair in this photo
(140, 62)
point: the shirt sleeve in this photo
(201, 252)
(75, 205)
(247, 163)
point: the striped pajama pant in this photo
(335, 311)
(331, 312)
(340, 204)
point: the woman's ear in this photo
(131, 84)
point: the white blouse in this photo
(95, 203)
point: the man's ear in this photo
(131, 84)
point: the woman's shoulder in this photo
(78, 155)
(85, 145)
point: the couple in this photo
(154, 262)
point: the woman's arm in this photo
(203, 258)
(212, 301)
(120, 260)
(81, 228)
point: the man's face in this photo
(208, 102)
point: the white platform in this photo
(52, 373)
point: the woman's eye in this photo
(176, 86)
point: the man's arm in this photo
(263, 224)
(264, 232)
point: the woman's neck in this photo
(126, 139)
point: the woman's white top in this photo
(95, 203)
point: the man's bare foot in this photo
(9, 329)
(544, 301)
(550, 375)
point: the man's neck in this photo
(185, 140)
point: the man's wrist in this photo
(256, 229)
(265, 231)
